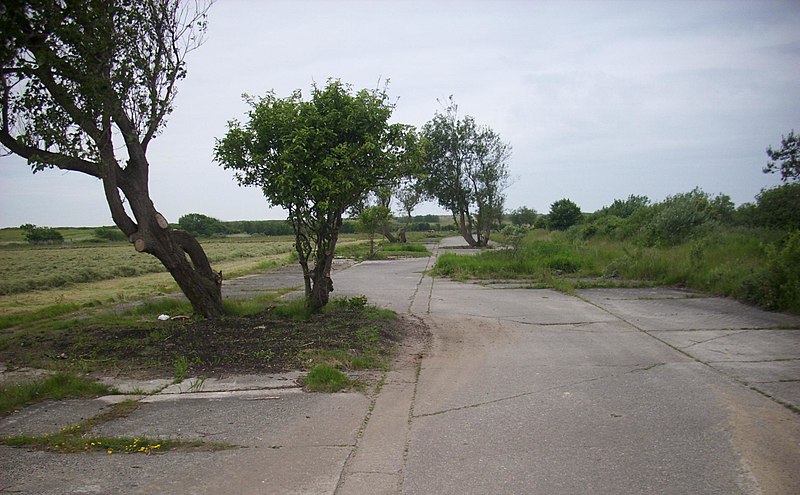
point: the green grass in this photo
(750, 265)
(181, 367)
(326, 378)
(398, 247)
(383, 250)
(55, 387)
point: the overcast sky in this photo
(599, 100)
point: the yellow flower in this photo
(110, 451)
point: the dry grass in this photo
(122, 274)
(35, 278)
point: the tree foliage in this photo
(623, 208)
(200, 225)
(316, 159)
(778, 207)
(466, 170)
(563, 214)
(40, 235)
(109, 234)
(86, 87)
(373, 219)
(785, 160)
(523, 216)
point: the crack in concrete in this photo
(696, 359)
(565, 324)
(640, 368)
(715, 338)
(647, 368)
(779, 360)
(515, 396)
(741, 329)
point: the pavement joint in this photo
(780, 360)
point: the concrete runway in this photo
(616, 391)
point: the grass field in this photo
(56, 279)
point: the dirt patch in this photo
(261, 343)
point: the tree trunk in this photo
(401, 235)
(198, 282)
(178, 251)
(322, 283)
(320, 290)
(388, 233)
(464, 229)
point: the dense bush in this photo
(624, 208)
(523, 216)
(777, 285)
(109, 234)
(678, 219)
(200, 225)
(776, 208)
(41, 235)
(563, 214)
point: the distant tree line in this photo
(41, 235)
(200, 225)
(675, 220)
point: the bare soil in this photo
(261, 343)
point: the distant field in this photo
(70, 234)
(25, 268)
(32, 277)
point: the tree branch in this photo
(60, 160)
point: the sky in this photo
(599, 100)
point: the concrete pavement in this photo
(513, 391)
(614, 391)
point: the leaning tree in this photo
(465, 169)
(316, 159)
(86, 87)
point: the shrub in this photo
(200, 225)
(625, 208)
(523, 216)
(514, 235)
(778, 207)
(563, 214)
(678, 219)
(109, 234)
(778, 285)
(41, 235)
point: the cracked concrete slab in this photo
(552, 307)
(52, 416)
(709, 313)
(743, 346)
(291, 419)
(762, 371)
(787, 392)
(626, 433)
(235, 383)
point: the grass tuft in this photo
(326, 378)
(54, 387)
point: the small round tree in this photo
(316, 158)
(564, 214)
